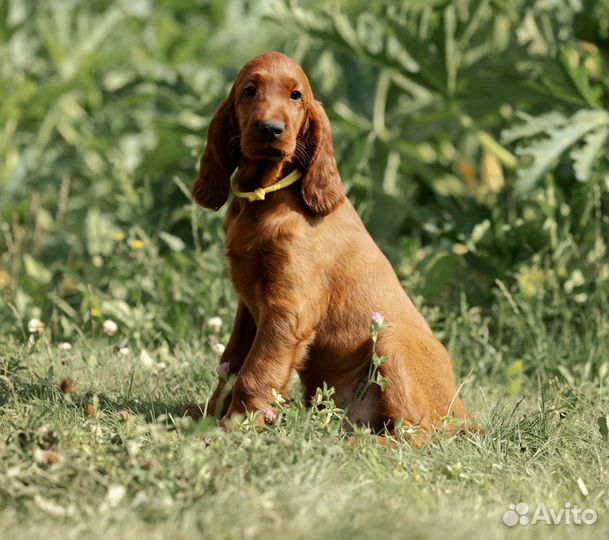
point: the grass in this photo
(158, 475)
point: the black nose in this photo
(271, 130)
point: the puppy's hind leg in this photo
(421, 394)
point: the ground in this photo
(113, 457)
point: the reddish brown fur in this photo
(307, 272)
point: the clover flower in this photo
(110, 327)
(115, 495)
(377, 319)
(215, 323)
(269, 416)
(35, 326)
(223, 368)
(218, 348)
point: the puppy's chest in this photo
(259, 255)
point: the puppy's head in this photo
(270, 114)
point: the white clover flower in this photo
(161, 366)
(115, 495)
(218, 348)
(64, 346)
(123, 351)
(215, 323)
(35, 326)
(110, 327)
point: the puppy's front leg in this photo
(233, 357)
(280, 345)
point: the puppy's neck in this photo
(262, 173)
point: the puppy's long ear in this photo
(321, 186)
(219, 160)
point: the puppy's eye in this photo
(249, 90)
(295, 95)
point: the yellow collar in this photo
(260, 193)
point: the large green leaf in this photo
(559, 134)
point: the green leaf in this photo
(62, 305)
(439, 272)
(544, 153)
(533, 125)
(174, 242)
(398, 52)
(36, 271)
(345, 30)
(370, 32)
(579, 75)
(450, 49)
(584, 156)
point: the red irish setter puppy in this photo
(307, 272)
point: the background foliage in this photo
(471, 135)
